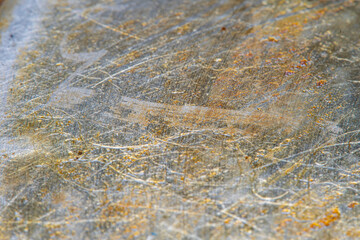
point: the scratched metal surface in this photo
(191, 119)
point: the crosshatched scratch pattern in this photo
(191, 119)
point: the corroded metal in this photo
(201, 119)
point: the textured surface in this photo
(198, 119)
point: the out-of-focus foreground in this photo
(168, 119)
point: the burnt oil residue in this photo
(185, 119)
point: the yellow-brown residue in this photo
(192, 116)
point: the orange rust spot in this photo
(249, 54)
(319, 14)
(321, 83)
(315, 225)
(329, 218)
(303, 62)
(226, 221)
(353, 204)
(272, 39)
